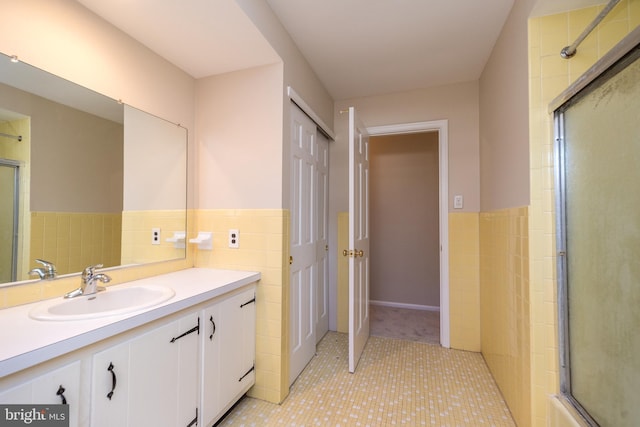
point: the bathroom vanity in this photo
(182, 362)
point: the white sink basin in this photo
(113, 301)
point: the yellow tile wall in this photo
(464, 281)
(73, 241)
(136, 235)
(549, 75)
(24, 293)
(504, 305)
(264, 247)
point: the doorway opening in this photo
(405, 236)
(419, 249)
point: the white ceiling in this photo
(367, 47)
(202, 37)
(357, 47)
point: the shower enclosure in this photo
(598, 238)
(9, 216)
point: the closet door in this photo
(322, 228)
(303, 268)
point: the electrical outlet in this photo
(234, 238)
(155, 236)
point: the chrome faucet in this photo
(89, 282)
(47, 271)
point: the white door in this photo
(302, 295)
(322, 259)
(358, 239)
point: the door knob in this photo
(355, 253)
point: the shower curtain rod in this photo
(18, 137)
(568, 51)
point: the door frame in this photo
(441, 126)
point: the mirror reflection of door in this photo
(8, 219)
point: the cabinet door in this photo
(110, 387)
(156, 378)
(163, 388)
(211, 406)
(188, 372)
(237, 340)
(51, 388)
(228, 353)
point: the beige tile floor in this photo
(397, 382)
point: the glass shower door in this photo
(8, 220)
(599, 156)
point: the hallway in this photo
(397, 382)
(404, 323)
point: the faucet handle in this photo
(48, 266)
(91, 270)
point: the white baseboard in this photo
(403, 305)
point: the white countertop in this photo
(25, 342)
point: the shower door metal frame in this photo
(16, 214)
(623, 54)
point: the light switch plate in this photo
(458, 202)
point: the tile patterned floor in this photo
(397, 382)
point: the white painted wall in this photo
(404, 219)
(504, 116)
(239, 136)
(297, 73)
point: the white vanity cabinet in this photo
(61, 385)
(182, 363)
(151, 379)
(228, 353)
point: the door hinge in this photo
(194, 422)
(247, 373)
(249, 302)
(190, 331)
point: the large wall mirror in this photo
(84, 179)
